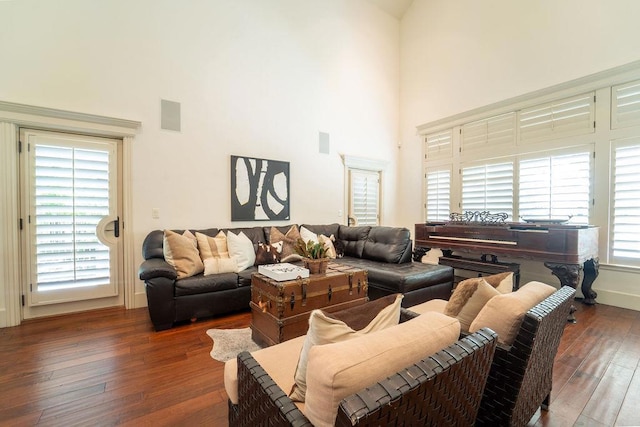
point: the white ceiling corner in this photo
(395, 8)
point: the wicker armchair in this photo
(520, 378)
(443, 389)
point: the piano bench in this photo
(480, 266)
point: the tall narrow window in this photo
(556, 187)
(438, 195)
(364, 196)
(625, 244)
(488, 188)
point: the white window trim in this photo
(364, 163)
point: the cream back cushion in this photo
(338, 370)
(324, 329)
(504, 313)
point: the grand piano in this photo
(565, 249)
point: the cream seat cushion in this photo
(340, 369)
(279, 361)
(504, 313)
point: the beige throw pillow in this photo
(325, 328)
(467, 300)
(181, 252)
(503, 282)
(288, 240)
(504, 313)
(330, 250)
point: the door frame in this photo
(12, 117)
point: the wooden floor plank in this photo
(109, 367)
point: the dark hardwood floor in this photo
(108, 367)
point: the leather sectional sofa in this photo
(385, 252)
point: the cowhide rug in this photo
(227, 343)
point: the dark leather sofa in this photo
(385, 252)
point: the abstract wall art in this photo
(259, 189)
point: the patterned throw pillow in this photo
(288, 240)
(268, 254)
(215, 254)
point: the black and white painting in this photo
(259, 189)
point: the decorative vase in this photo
(316, 266)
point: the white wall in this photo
(465, 54)
(255, 78)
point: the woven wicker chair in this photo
(443, 389)
(520, 378)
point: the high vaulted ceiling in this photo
(395, 8)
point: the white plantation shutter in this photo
(438, 195)
(489, 133)
(438, 144)
(625, 105)
(556, 187)
(562, 118)
(365, 196)
(488, 188)
(626, 202)
(70, 197)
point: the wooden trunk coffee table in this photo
(280, 310)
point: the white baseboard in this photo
(140, 299)
(618, 299)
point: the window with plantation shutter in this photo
(488, 187)
(489, 133)
(625, 105)
(438, 144)
(556, 186)
(438, 195)
(562, 118)
(71, 196)
(364, 196)
(625, 244)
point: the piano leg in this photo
(591, 267)
(419, 252)
(568, 275)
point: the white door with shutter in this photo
(364, 197)
(70, 224)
